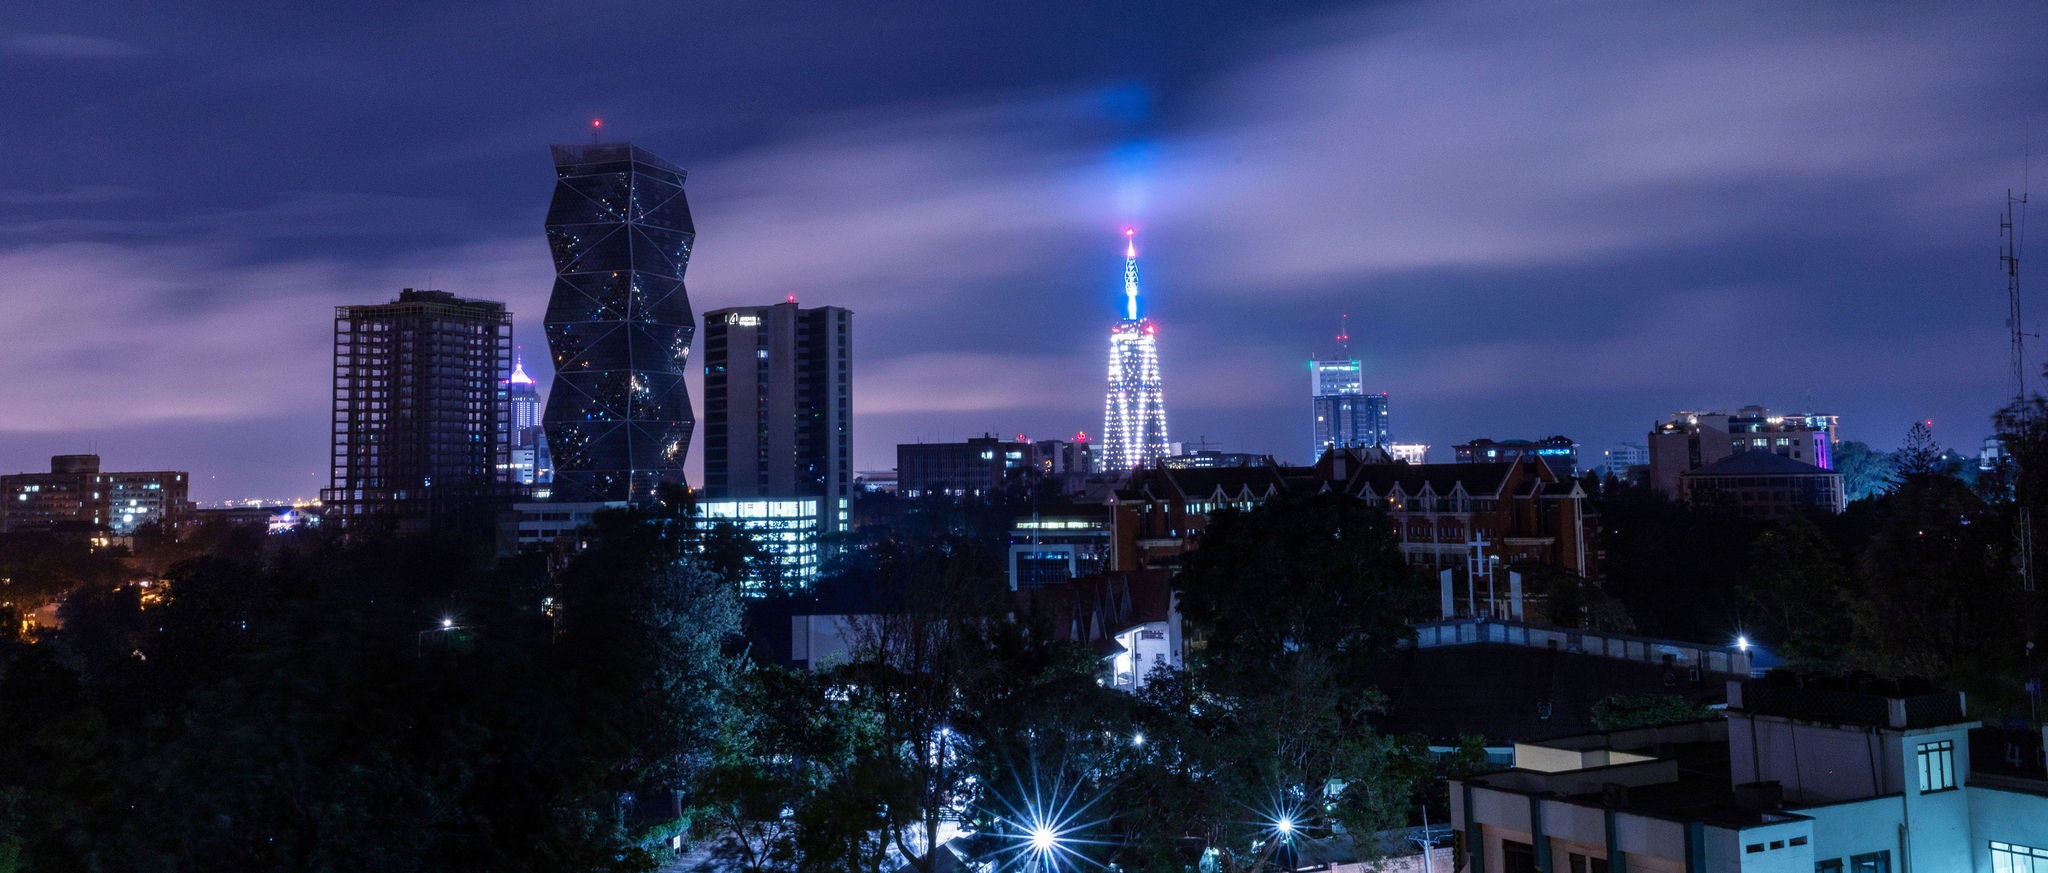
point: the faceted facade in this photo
(619, 324)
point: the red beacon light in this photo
(792, 298)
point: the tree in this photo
(1624, 711)
(1865, 472)
(1797, 594)
(1918, 454)
(1295, 600)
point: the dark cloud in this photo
(1541, 219)
(69, 46)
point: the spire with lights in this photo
(1134, 414)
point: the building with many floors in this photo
(778, 407)
(1691, 440)
(77, 496)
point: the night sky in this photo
(1573, 219)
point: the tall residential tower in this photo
(1345, 415)
(422, 422)
(619, 324)
(1134, 415)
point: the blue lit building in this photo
(619, 323)
(1134, 413)
(1558, 453)
(1345, 416)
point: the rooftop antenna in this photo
(2010, 232)
(596, 127)
(1344, 337)
(1131, 272)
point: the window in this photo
(2012, 858)
(1875, 862)
(1937, 766)
(1831, 865)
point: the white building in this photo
(1798, 777)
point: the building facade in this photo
(1557, 452)
(1764, 485)
(421, 420)
(1802, 775)
(1691, 440)
(619, 323)
(1134, 413)
(778, 406)
(963, 469)
(77, 496)
(529, 464)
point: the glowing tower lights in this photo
(1134, 414)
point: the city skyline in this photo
(1544, 221)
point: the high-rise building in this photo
(75, 496)
(529, 464)
(619, 323)
(1134, 415)
(422, 421)
(778, 406)
(1345, 416)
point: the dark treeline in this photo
(1918, 578)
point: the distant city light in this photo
(1043, 838)
(1742, 642)
(447, 623)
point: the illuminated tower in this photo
(530, 463)
(1134, 415)
(619, 324)
(1345, 415)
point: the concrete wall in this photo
(2005, 816)
(1814, 763)
(1842, 830)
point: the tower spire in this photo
(1131, 274)
(1344, 336)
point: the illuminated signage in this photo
(743, 320)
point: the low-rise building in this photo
(1802, 774)
(975, 466)
(1559, 453)
(1764, 485)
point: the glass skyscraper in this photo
(1134, 414)
(1345, 415)
(619, 324)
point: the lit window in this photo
(1875, 862)
(2014, 858)
(1937, 766)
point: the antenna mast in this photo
(2009, 258)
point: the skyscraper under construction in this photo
(422, 423)
(1134, 414)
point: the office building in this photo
(1803, 774)
(76, 496)
(1691, 440)
(1134, 414)
(785, 531)
(619, 324)
(422, 422)
(529, 464)
(1344, 414)
(1559, 453)
(778, 407)
(1626, 455)
(974, 467)
(1411, 453)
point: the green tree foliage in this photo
(1797, 595)
(1938, 597)
(1673, 567)
(1624, 711)
(1294, 602)
(1918, 454)
(388, 704)
(1865, 472)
